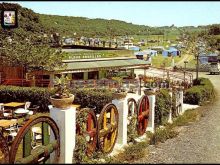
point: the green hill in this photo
(31, 23)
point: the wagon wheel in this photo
(132, 109)
(41, 152)
(108, 128)
(90, 131)
(4, 150)
(143, 114)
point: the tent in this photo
(151, 52)
(171, 52)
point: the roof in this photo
(102, 63)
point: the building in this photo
(171, 52)
(80, 69)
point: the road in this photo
(198, 142)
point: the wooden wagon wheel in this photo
(42, 152)
(4, 150)
(90, 131)
(143, 114)
(108, 128)
(132, 109)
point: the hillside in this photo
(93, 27)
(31, 23)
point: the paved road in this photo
(196, 143)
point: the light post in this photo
(197, 67)
(140, 77)
(185, 62)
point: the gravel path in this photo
(198, 142)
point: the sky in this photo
(150, 13)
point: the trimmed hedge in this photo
(162, 106)
(37, 96)
(200, 93)
(92, 97)
(40, 96)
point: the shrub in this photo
(162, 106)
(202, 91)
(162, 134)
(92, 97)
(41, 96)
(36, 95)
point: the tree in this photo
(30, 56)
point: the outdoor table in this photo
(21, 112)
(6, 123)
(13, 106)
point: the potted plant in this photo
(62, 98)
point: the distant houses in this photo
(208, 58)
(172, 51)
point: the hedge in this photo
(40, 96)
(200, 93)
(162, 106)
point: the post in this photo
(152, 100)
(170, 113)
(185, 62)
(122, 125)
(197, 67)
(139, 90)
(181, 102)
(66, 122)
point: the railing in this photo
(24, 82)
(16, 82)
(101, 83)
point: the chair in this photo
(32, 111)
(26, 106)
(12, 131)
(37, 135)
(7, 113)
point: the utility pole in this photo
(197, 67)
(185, 62)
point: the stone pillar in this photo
(181, 102)
(152, 100)
(170, 113)
(66, 122)
(122, 125)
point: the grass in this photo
(169, 131)
(188, 117)
(158, 61)
(131, 153)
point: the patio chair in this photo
(32, 111)
(7, 113)
(12, 131)
(26, 106)
(37, 136)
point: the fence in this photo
(103, 131)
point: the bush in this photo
(162, 134)
(92, 97)
(37, 96)
(41, 96)
(201, 92)
(162, 106)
